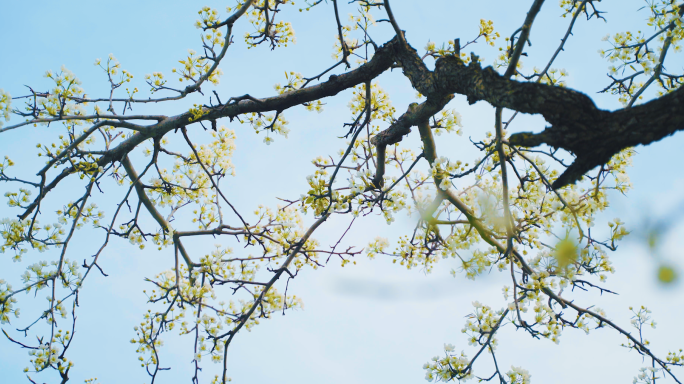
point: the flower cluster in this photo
(481, 325)
(518, 375)
(194, 67)
(37, 277)
(156, 81)
(442, 168)
(269, 123)
(381, 105)
(448, 120)
(449, 367)
(553, 76)
(208, 18)
(377, 246)
(48, 354)
(5, 104)
(18, 199)
(647, 375)
(316, 199)
(675, 358)
(7, 301)
(14, 232)
(59, 102)
(487, 31)
(112, 68)
(265, 28)
(641, 317)
(349, 44)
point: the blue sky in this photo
(373, 322)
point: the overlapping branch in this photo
(577, 125)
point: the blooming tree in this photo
(525, 207)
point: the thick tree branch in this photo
(577, 125)
(595, 137)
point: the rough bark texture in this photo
(595, 137)
(576, 124)
(592, 134)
